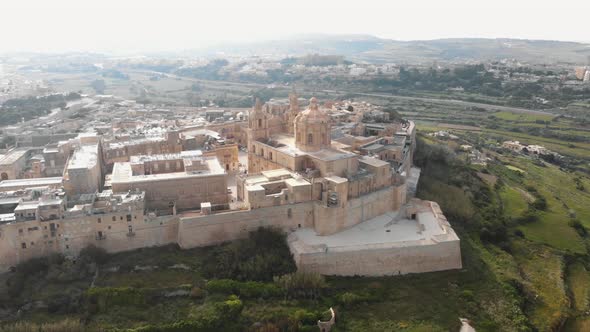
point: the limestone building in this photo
(123, 150)
(83, 173)
(180, 180)
(12, 165)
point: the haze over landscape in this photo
(131, 26)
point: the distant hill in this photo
(377, 50)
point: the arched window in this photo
(259, 123)
(309, 138)
(4, 176)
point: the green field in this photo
(515, 202)
(523, 117)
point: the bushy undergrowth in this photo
(68, 325)
(261, 256)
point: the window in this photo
(32, 243)
(121, 217)
(259, 123)
(128, 217)
(114, 218)
(109, 227)
(167, 166)
(156, 167)
(289, 213)
(67, 246)
(20, 231)
(99, 220)
(23, 245)
(130, 229)
(309, 138)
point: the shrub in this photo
(467, 295)
(94, 254)
(197, 293)
(350, 298)
(540, 203)
(577, 225)
(305, 317)
(68, 325)
(260, 257)
(105, 297)
(519, 233)
(249, 289)
(493, 233)
(301, 284)
(528, 216)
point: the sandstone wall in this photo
(223, 227)
(418, 257)
(25, 240)
(330, 220)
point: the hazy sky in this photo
(154, 25)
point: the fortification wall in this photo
(228, 226)
(414, 258)
(25, 240)
(330, 220)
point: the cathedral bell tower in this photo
(293, 112)
(258, 122)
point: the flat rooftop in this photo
(122, 144)
(85, 157)
(12, 156)
(122, 172)
(26, 183)
(373, 161)
(167, 156)
(385, 231)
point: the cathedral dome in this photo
(312, 114)
(312, 128)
